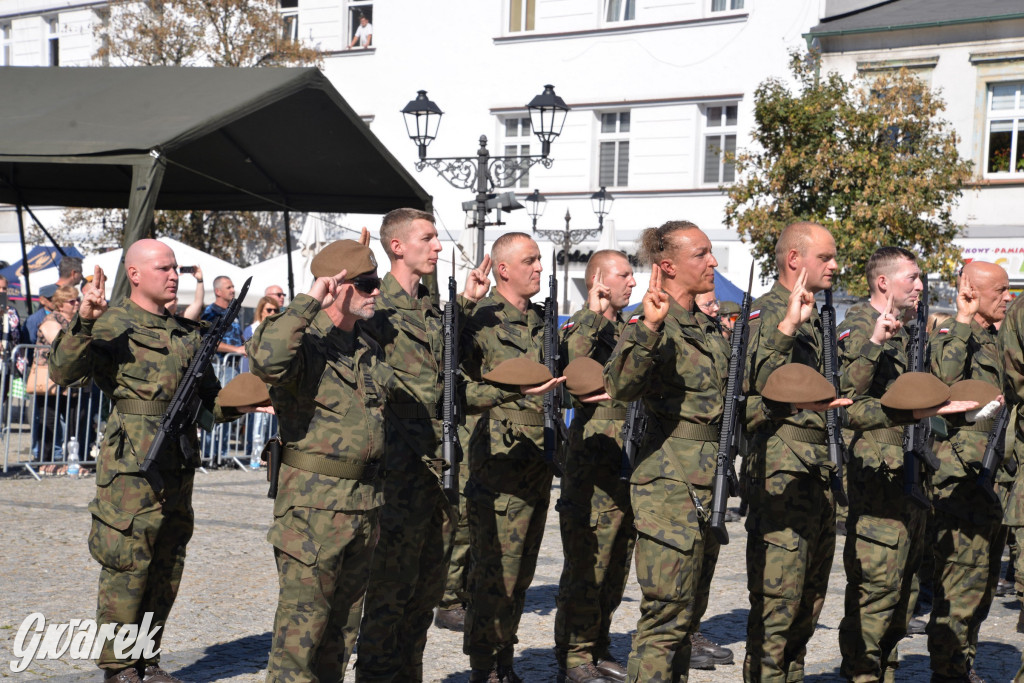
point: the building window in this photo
(719, 141)
(53, 41)
(289, 20)
(613, 156)
(726, 5)
(521, 15)
(620, 10)
(360, 23)
(5, 44)
(518, 136)
(1005, 123)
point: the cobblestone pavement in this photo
(220, 627)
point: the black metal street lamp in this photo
(483, 171)
(567, 238)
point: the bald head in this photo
(982, 272)
(144, 250)
(990, 284)
(152, 271)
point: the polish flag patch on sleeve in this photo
(634, 319)
(943, 330)
(754, 315)
(568, 324)
(844, 335)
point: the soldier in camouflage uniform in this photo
(594, 513)
(674, 358)
(970, 531)
(885, 529)
(136, 353)
(509, 484)
(327, 385)
(1011, 336)
(408, 570)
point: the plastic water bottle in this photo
(73, 467)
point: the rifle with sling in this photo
(185, 405)
(836, 447)
(995, 450)
(555, 432)
(632, 436)
(725, 483)
(916, 451)
(451, 449)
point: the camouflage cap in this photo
(973, 390)
(728, 308)
(347, 255)
(915, 391)
(798, 383)
(520, 371)
(584, 376)
(244, 390)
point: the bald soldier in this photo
(594, 513)
(970, 531)
(136, 353)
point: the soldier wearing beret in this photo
(676, 361)
(594, 513)
(728, 313)
(327, 382)
(136, 353)
(970, 531)
(408, 570)
(885, 529)
(509, 484)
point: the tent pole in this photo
(27, 289)
(288, 250)
(147, 174)
(39, 225)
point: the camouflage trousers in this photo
(885, 539)
(791, 540)
(407, 577)
(675, 557)
(323, 563)
(596, 523)
(455, 585)
(968, 557)
(140, 545)
(506, 526)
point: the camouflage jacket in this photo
(408, 328)
(680, 372)
(590, 335)
(1011, 336)
(961, 351)
(496, 331)
(328, 389)
(132, 354)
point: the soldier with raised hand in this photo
(676, 361)
(509, 484)
(409, 565)
(327, 383)
(595, 516)
(970, 531)
(136, 353)
(885, 528)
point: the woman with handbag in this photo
(50, 397)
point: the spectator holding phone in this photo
(195, 309)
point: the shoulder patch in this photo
(843, 335)
(943, 330)
(634, 319)
(755, 314)
(568, 324)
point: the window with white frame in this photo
(719, 141)
(521, 15)
(52, 41)
(518, 135)
(613, 149)
(360, 33)
(726, 5)
(289, 20)
(5, 44)
(620, 10)
(1004, 122)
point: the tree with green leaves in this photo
(871, 160)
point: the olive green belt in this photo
(606, 413)
(134, 406)
(889, 435)
(815, 436)
(694, 432)
(979, 426)
(331, 467)
(525, 418)
(413, 411)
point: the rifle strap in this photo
(524, 418)
(331, 467)
(803, 435)
(892, 436)
(132, 406)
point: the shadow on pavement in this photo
(540, 599)
(246, 655)
(727, 628)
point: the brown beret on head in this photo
(244, 390)
(728, 308)
(798, 383)
(347, 255)
(973, 390)
(915, 391)
(520, 371)
(584, 376)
